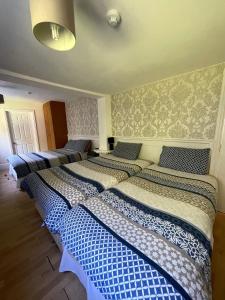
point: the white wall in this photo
(219, 150)
(19, 104)
(104, 121)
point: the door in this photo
(23, 132)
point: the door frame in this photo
(35, 132)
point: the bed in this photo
(57, 190)
(149, 237)
(20, 165)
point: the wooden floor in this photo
(29, 258)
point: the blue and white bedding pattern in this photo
(56, 190)
(24, 164)
(149, 237)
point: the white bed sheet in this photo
(68, 263)
(12, 172)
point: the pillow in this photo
(78, 145)
(185, 159)
(127, 150)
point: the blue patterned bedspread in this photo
(27, 163)
(56, 190)
(149, 237)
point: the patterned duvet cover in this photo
(58, 189)
(149, 237)
(24, 164)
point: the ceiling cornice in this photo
(10, 76)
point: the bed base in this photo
(56, 237)
(13, 173)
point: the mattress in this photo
(149, 237)
(24, 164)
(57, 190)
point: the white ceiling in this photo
(156, 39)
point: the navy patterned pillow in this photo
(77, 145)
(127, 150)
(188, 160)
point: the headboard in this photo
(151, 148)
(94, 139)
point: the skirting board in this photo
(94, 139)
(151, 148)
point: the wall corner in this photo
(104, 121)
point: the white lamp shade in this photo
(47, 15)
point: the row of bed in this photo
(131, 229)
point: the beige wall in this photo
(20, 104)
(184, 106)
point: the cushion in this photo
(78, 145)
(185, 159)
(127, 150)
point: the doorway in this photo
(23, 131)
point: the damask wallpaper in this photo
(82, 117)
(184, 106)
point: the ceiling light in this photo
(53, 23)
